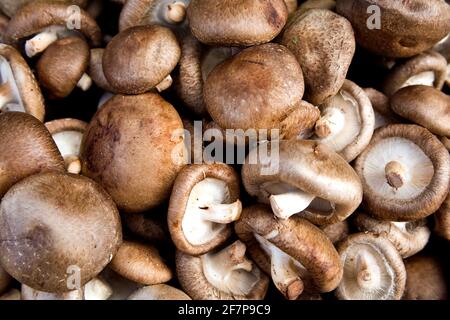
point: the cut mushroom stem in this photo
(222, 213)
(395, 174)
(73, 164)
(330, 123)
(85, 82)
(287, 204)
(165, 84)
(6, 94)
(40, 42)
(367, 273)
(176, 12)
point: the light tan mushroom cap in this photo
(159, 292)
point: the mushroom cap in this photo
(5, 280)
(446, 142)
(426, 68)
(209, 234)
(159, 292)
(53, 224)
(26, 148)
(129, 148)
(296, 237)
(236, 22)
(426, 180)
(408, 28)
(25, 87)
(38, 15)
(337, 231)
(442, 219)
(10, 7)
(312, 168)
(4, 20)
(366, 250)
(381, 108)
(359, 121)
(140, 263)
(95, 70)
(316, 4)
(425, 106)
(425, 279)
(139, 58)
(55, 74)
(324, 44)
(408, 237)
(255, 89)
(145, 226)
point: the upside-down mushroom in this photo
(158, 292)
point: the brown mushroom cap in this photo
(236, 22)
(382, 110)
(4, 20)
(130, 148)
(145, 226)
(295, 252)
(408, 237)
(425, 106)
(10, 7)
(224, 275)
(405, 172)
(55, 73)
(139, 58)
(347, 122)
(446, 142)
(407, 29)
(19, 90)
(26, 148)
(336, 231)
(324, 44)
(96, 70)
(5, 280)
(312, 181)
(204, 201)
(53, 224)
(442, 219)
(373, 269)
(428, 68)
(158, 292)
(140, 263)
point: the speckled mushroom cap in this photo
(373, 269)
(54, 72)
(425, 106)
(203, 203)
(408, 237)
(428, 68)
(296, 253)
(53, 220)
(407, 29)
(236, 22)
(139, 58)
(95, 70)
(381, 108)
(225, 274)
(159, 292)
(324, 44)
(19, 90)
(405, 172)
(5, 280)
(347, 121)
(26, 148)
(336, 231)
(134, 148)
(442, 219)
(312, 181)
(10, 7)
(425, 279)
(140, 263)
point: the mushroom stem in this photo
(165, 84)
(6, 94)
(287, 204)
(367, 275)
(85, 82)
(73, 164)
(40, 42)
(331, 122)
(222, 213)
(176, 12)
(395, 174)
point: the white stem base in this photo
(85, 82)
(222, 213)
(165, 84)
(331, 123)
(176, 13)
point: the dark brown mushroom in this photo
(10, 7)
(336, 232)
(95, 70)
(5, 280)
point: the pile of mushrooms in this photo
(224, 150)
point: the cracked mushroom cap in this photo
(95, 70)
(159, 292)
(311, 181)
(381, 108)
(10, 7)
(296, 254)
(408, 27)
(336, 231)
(54, 72)
(134, 148)
(405, 172)
(5, 280)
(56, 226)
(425, 106)
(140, 263)
(19, 90)
(428, 68)
(236, 22)
(203, 204)
(139, 58)
(324, 44)
(68, 134)
(26, 148)
(347, 121)
(373, 269)
(408, 237)
(425, 279)
(442, 219)
(225, 274)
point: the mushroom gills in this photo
(286, 272)
(68, 143)
(230, 271)
(10, 99)
(425, 78)
(207, 211)
(45, 38)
